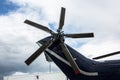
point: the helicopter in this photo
(72, 63)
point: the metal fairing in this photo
(89, 69)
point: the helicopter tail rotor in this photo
(55, 36)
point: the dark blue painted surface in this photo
(108, 70)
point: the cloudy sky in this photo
(18, 40)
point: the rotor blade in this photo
(83, 35)
(38, 52)
(62, 18)
(70, 58)
(107, 55)
(38, 26)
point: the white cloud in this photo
(101, 17)
(101, 47)
(18, 41)
(20, 73)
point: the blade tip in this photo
(93, 35)
(96, 58)
(26, 21)
(62, 8)
(27, 63)
(93, 58)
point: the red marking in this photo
(27, 62)
(77, 72)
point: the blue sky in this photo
(7, 6)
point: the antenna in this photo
(50, 67)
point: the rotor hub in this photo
(59, 35)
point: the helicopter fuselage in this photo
(89, 69)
